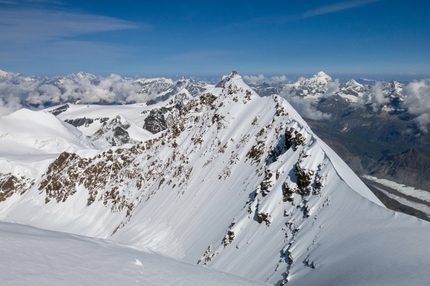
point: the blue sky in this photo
(379, 38)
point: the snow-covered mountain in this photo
(352, 90)
(312, 88)
(236, 182)
(393, 89)
(389, 94)
(85, 88)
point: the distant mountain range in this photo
(363, 122)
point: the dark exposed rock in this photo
(411, 168)
(160, 119)
(10, 184)
(156, 122)
(151, 102)
(60, 109)
(335, 105)
(85, 121)
(114, 132)
(266, 90)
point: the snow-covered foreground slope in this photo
(238, 183)
(32, 256)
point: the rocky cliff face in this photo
(112, 133)
(10, 185)
(403, 168)
(160, 119)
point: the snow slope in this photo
(238, 183)
(30, 141)
(32, 256)
(38, 132)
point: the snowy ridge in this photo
(238, 183)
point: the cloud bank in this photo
(17, 91)
(417, 102)
(332, 88)
(303, 107)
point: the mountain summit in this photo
(237, 182)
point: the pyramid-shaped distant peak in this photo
(322, 75)
(352, 82)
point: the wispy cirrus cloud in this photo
(24, 26)
(278, 20)
(336, 7)
(59, 38)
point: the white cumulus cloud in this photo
(17, 91)
(417, 102)
(303, 106)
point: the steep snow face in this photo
(238, 183)
(33, 256)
